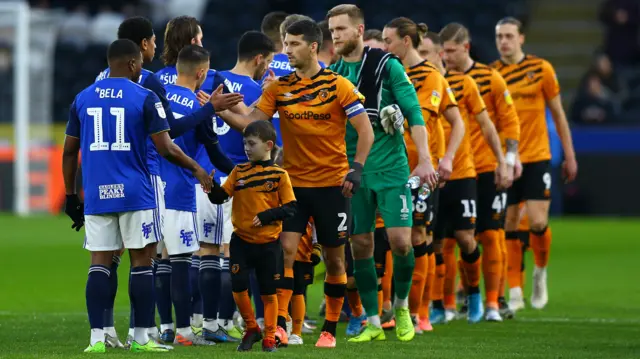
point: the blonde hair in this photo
(455, 32)
(352, 11)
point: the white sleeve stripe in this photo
(354, 108)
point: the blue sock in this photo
(209, 281)
(181, 290)
(141, 295)
(154, 264)
(132, 315)
(97, 292)
(113, 287)
(196, 297)
(255, 292)
(163, 291)
(227, 304)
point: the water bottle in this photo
(414, 182)
(423, 193)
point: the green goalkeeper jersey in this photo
(388, 151)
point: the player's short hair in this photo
(406, 27)
(455, 32)
(271, 24)
(510, 20)
(309, 30)
(190, 58)
(354, 13)
(121, 49)
(434, 37)
(373, 34)
(326, 34)
(136, 29)
(264, 130)
(253, 43)
(289, 20)
(178, 34)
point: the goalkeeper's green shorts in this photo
(387, 193)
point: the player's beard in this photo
(348, 47)
(260, 71)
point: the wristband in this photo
(510, 159)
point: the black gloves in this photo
(355, 176)
(75, 210)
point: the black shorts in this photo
(265, 258)
(302, 276)
(424, 213)
(534, 184)
(456, 207)
(380, 248)
(330, 212)
(491, 203)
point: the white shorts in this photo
(112, 231)
(158, 189)
(209, 218)
(180, 232)
(228, 226)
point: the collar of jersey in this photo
(262, 163)
(312, 77)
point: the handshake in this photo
(392, 119)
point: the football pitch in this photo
(593, 311)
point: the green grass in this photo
(594, 309)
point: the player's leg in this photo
(503, 306)
(380, 249)
(181, 240)
(254, 289)
(329, 209)
(537, 195)
(111, 337)
(430, 221)
(451, 264)
(298, 305)
(396, 208)
(357, 315)
(241, 264)
(102, 238)
(267, 261)
(513, 244)
(196, 296)
(420, 244)
(140, 243)
(163, 295)
(490, 212)
(226, 306)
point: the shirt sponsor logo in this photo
(306, 115)
(111, 191)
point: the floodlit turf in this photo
(594, 308)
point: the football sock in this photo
(491, 265)
(284, 294)
(437, 291)
(380, 299)
(141, 295)
(471, 265)
(541, 245)
(514, 259)
(181, 290)
(419, 277)
(503, 275)
(298, 309)
(464, 284)
(428, 284)
(334, 288)
(163, 293)
(113, 289)
(364, 271)
(355, 304)
(209, 282)
(402, 275)
(255, 293)
(97, 292)
(449, 255)
(270, 315)
(243, 302)
(227, 305)
(196, 297)
(387, 280)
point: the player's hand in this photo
(445, 168)
(392, 119)
(203, 97)
(202, 176)
(352, 180)
(510, 174)
(223, 101)
(271, 76)
(75, 210)
(427, 174)
(502, 177)
(569, 169)
(256, 222)
(517, 169)
(316, 254)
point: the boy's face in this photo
(257, 149)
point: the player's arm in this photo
(487, 127)
(158, 128)
(288, 207)
(264, 110)
(209, 139)
(73, 207)
(508, 123)
(220, 194)
(551, 91)
(451, 113)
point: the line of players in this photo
(484, 94)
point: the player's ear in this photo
(270, 145)
(360, 29)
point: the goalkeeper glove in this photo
(75, 210)
(355, 176)
(392, 119)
